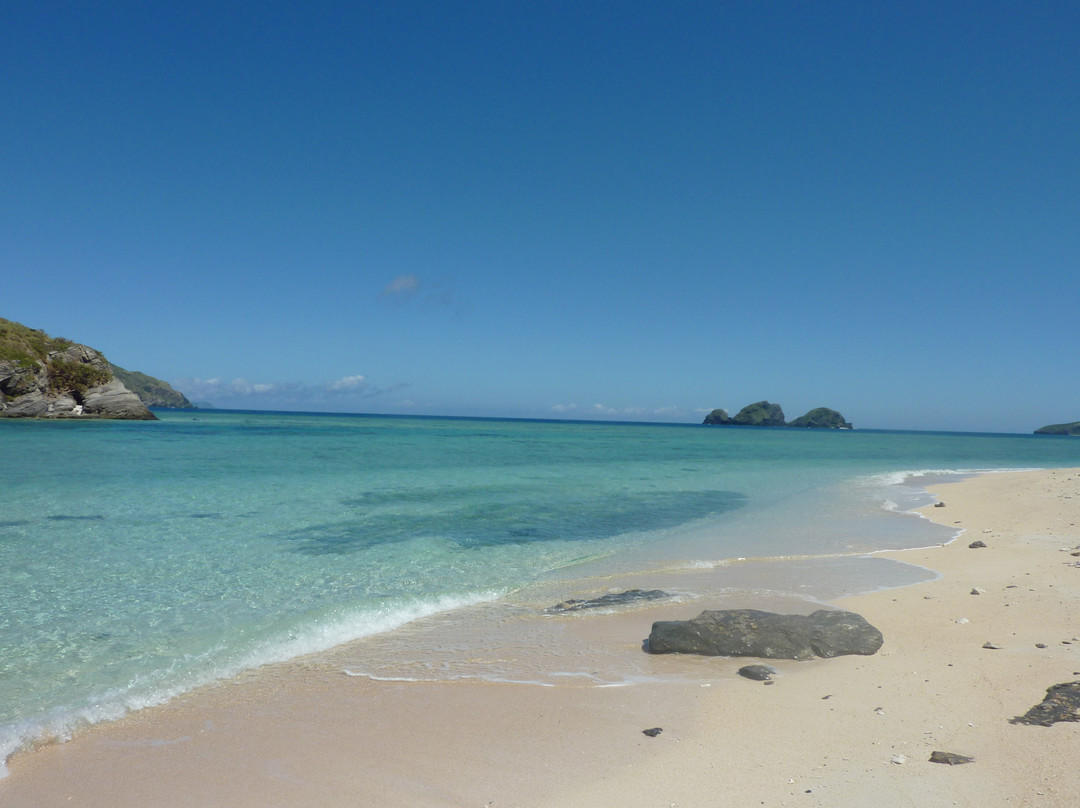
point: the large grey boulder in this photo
(754, 633)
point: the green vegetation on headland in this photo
(76, 377)
(53, 377)
(1060, 429)
(762, 413)
(152, 392)
(25, 346)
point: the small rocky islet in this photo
(765, 413)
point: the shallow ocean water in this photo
(139, 560)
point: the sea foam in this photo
(59, 725)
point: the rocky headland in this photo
(1060, 429)
(152, 392)
(47, 377)
(764, 413)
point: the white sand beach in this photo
(840, 732)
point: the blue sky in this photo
(633, 211)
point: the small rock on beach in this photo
(759, 673)
(604, 601)
(951, 758)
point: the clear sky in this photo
(620, 210)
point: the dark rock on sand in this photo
(976, 544)
(750, 632)
(652, 733)
(950, 758)
(1062, 703)
(759, 673)
(618, 599)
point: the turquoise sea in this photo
(140, 560)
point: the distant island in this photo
(53, 377)
(1060, 429)
(762, 413)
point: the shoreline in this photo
(768, 578)
(303, 732)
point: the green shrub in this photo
(75, 377)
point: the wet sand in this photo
(833, 732)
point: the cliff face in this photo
(152, 392)
(42, 377)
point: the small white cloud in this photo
(564, 407)
(401, 287)
(341, 392)
(348, 383)
(636, 412)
